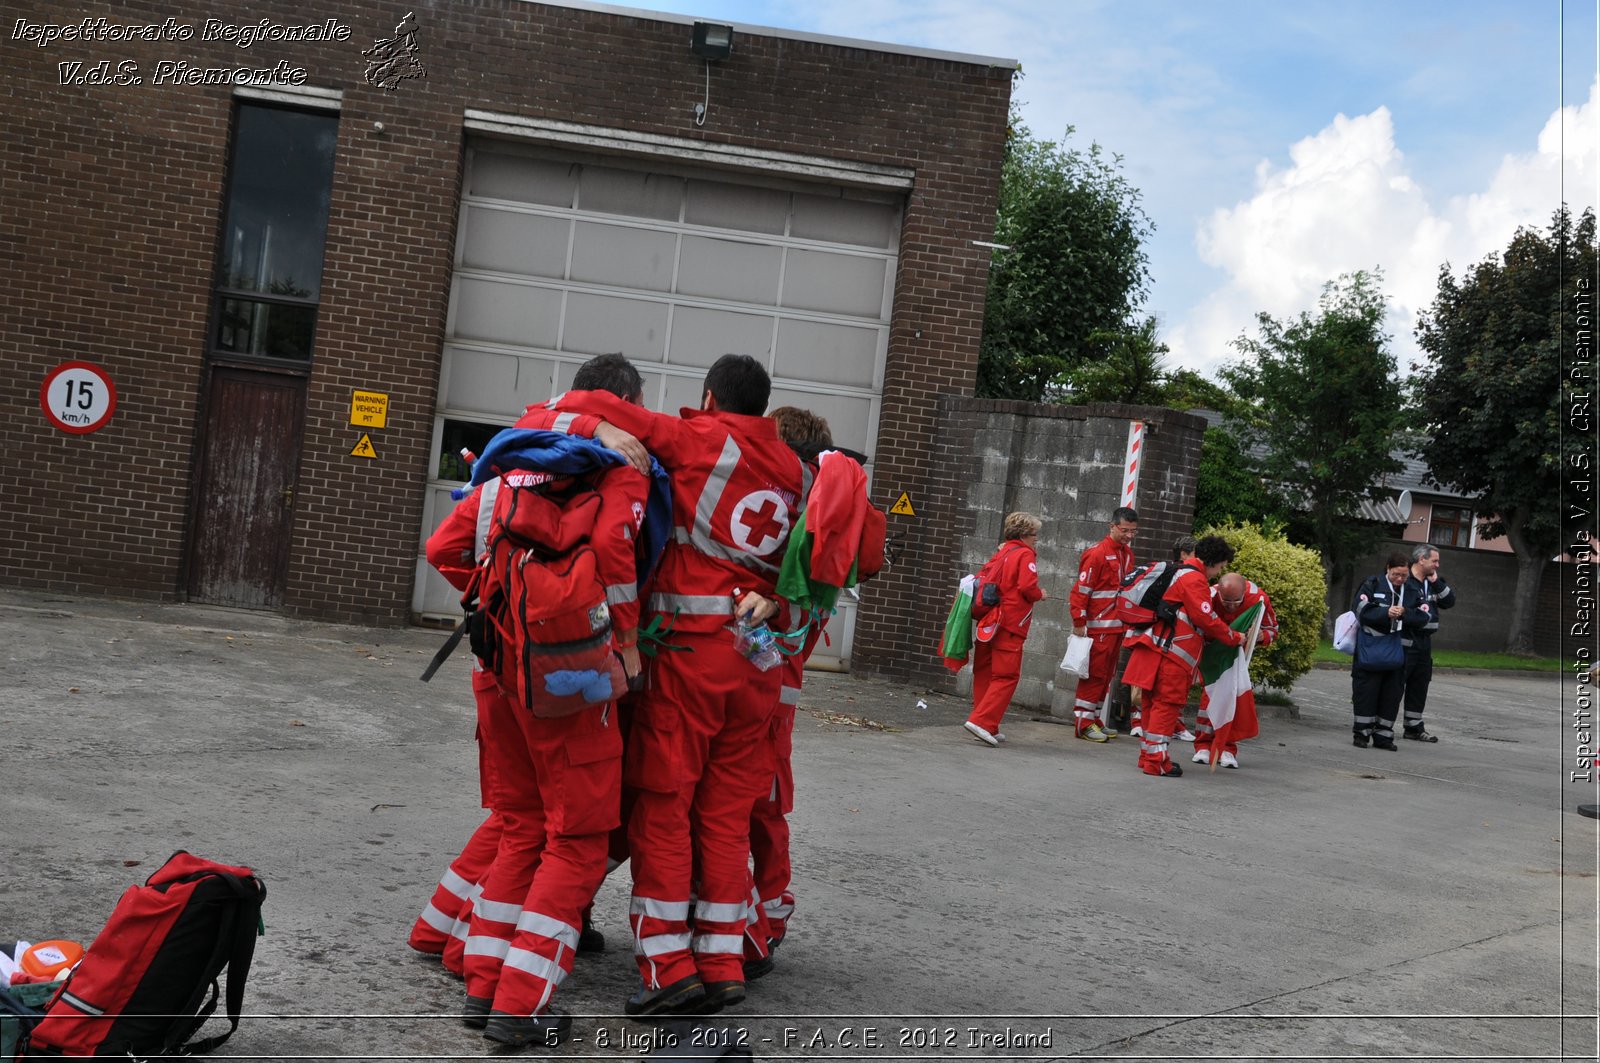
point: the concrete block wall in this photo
(1065, 465)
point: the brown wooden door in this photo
(239, 552)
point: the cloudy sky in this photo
(1278, 145)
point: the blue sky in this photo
(1278, 145)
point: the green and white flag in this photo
(1229, 702)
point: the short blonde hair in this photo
(1019, 525)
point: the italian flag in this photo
(1230, 704)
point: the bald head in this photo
(1230, 589)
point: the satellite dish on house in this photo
(1403, 504)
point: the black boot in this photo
(547, 1030)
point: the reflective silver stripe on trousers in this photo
(536, 965)
(692, 604)
(437, 919)
(661, 944)
(455, 885)
(719, 944)
(484, 945)
(617, 593)
(497, 911)
(789, 696)
(778, 908)
(719, 913)
(544, 926)
(658, 909)
(480, 537)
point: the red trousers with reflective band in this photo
(1163, 703)
(699, 752)
(769, 829)
(558, 785)
(1091, 693)
(996, 669)
(442, 926)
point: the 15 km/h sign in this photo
(78, 397)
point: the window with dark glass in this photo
(274, 231)
(471, 436)
(1450, 526)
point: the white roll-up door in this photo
(560, 257)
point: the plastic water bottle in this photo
(756, 642)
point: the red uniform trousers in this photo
(441, 929)
(1166, 681)
(558, 783)
(996, 669)
(699, 759)
(1204, 732)
(1091, 693)
(769, 830)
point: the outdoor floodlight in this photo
(712, 40)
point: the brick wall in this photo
(108, 241)
(1062, 463)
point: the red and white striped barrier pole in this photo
(1130, 465)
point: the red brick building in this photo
(310, 286)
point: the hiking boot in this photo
(475, 1012)
(1380, 742)
(1362, 740)
(684, 995)
(1168, 770)
(1201, 756)
(547, 1030)
(590, 939)
(758, 968)
(721, 995)
(1093, 732)
(980, 734)
(1229, 760)
(1419, 734)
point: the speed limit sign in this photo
(78, 397)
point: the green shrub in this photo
(1292, 577)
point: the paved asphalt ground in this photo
(1323, 902)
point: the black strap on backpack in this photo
(237, 944)
(446, 650)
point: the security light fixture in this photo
(712, 40)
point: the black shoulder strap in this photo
(446, 650)
(241, 939)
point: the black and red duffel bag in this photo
(142, 988)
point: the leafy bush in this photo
(1292, 577)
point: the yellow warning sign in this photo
(369, 409)
(364, 447)
(902, 505)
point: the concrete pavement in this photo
(1040, 900)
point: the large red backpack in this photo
(536, 606)
(141, 990)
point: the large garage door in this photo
(562, 257)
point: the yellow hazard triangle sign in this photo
(364, 447)
(902, 505)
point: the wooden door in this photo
(239, 553)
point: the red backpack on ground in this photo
(141, 989)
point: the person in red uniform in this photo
(697, 750)
(1232, 595)
(555, 783)
(808, 436)
(997, 650)
(1093, 608)
(1166, 658)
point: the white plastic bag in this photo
(1076, 661)
(1344, 633)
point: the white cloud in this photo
(1348, 201)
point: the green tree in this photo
(1292, 578)
(1130, 367)
(1324, 414)
(1073, 263)
(1226, 490)
(1495, 341)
